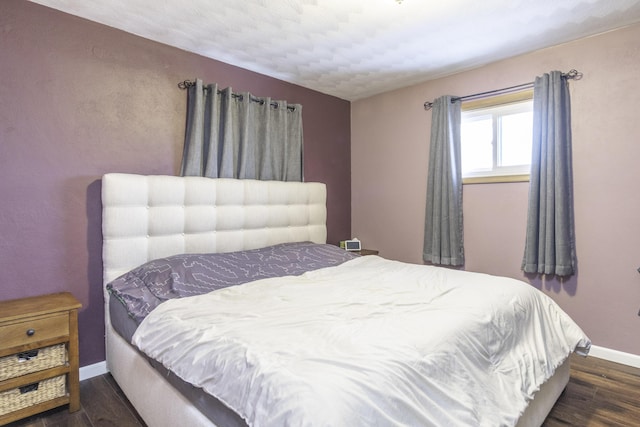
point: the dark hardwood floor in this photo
(599, 393)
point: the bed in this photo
(200, 381)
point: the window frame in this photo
(497, 101)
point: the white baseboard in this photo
(94, 370)
(629, 359)
(615, 356)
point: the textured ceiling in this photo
(353, 49)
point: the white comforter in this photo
(370, 342)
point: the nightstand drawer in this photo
(35, 360)
(32, 394)
(34, 330)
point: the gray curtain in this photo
(549, 247)
(443, 233)
(232, 135)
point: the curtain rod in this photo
(186, 84)
(571, 75)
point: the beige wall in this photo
(389, 156)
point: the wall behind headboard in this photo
(77, 100)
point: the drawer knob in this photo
(31, 332)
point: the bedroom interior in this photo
(80, 106)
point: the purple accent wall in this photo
(77, 100)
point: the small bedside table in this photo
(367, 252)
(39, 367)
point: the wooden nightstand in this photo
(39, 368)
(367, 252)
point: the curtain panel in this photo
(443, 233)
(231, 135)
(550, 246)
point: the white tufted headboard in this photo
(149, 217)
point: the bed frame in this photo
(149, 217)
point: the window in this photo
(496, 138)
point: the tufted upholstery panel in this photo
(148, 217)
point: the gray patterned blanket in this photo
(144, 288)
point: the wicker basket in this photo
(32, 394)
(26, 362)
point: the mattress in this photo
(370, 338)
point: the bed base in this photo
(545, 398)
(161, 405)
(157, 403)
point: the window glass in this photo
(516, 131)
(496, 138)
(477, 144)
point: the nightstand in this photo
(367, 252)
(39, 367)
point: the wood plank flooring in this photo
(599, 393)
